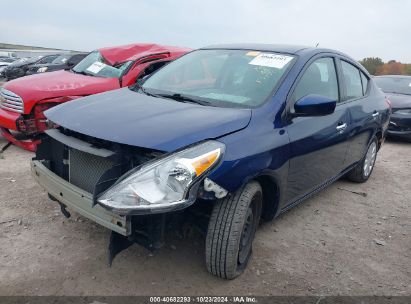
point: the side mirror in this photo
(70, 64)
(314, 105)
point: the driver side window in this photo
(320, 79)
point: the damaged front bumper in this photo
(79, 200)
(400, 126)
(13, 128)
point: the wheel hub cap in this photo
(370, 159)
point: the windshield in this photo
(227, 78)
(61, 59)
(399, 85)
(95, 65)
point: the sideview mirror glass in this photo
(314, 105)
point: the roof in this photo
(281, 48)
(137, 50)
(278, 48)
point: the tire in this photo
(362, 171)
(231, 229)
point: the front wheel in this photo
(233, 223)
(363, 170)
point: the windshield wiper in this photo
(184, 98)
(139, 87)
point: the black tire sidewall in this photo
(225, 231)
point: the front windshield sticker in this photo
(253, 53)
(96, 67)
(409, 84)
(271, 60)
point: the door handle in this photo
(341, 127)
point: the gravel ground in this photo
(336, 243)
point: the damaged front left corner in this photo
(211, 186)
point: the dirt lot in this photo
(336, 243)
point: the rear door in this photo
(318, 145)
(363, 115)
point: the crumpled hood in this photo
(131, 118)
(58, 84)
(399, 101)
(133, 51)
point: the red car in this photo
(23, 101)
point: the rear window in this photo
(352, 81)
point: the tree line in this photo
(375, 66)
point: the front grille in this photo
(11, 101)
(86, 169)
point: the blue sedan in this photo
(223, 137)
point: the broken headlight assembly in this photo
(164, 184)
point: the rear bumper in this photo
(79, 200)
(402, 134)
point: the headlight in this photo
(42, 70)
(164, 184)
(403, 111)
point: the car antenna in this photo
(317, 44)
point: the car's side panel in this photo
(317, 144)
(317, 151)
(260, 149)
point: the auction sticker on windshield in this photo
(271, 60)
(96, 67)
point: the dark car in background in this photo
(220, 138)
(19, 67)
(4, 63)
(398, 90)
(62, 62)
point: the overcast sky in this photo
(361, 28)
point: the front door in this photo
(318, 145)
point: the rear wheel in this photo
(233, 223)
(363, 170)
